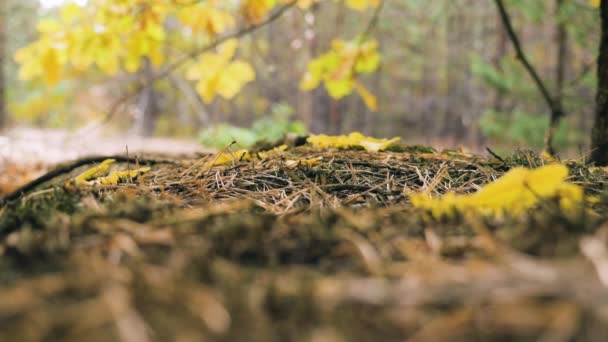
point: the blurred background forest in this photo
(448, 76)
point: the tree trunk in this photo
(149, 102)
(561, 37)
(501, 50)
(3, 16)
(599, 134)
(453, 128)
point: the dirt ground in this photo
(276, 249)
(26, 153)
(28, 145)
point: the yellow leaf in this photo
(204, 17)
(95, 171)
(353, 140)
(46, 26)
(265, 154)
(51, 67)
(227, 158)
(233, 77)
(70, 11)
(115, 177)
(368, 98)
(255, 11)
(216, 74)
(339, 67)
(517, 191)
(361, 5)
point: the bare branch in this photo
(555, 106)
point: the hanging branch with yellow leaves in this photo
(338, 69)
(113, 36)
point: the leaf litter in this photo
(304, 244)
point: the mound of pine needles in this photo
(276, 248)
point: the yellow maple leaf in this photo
(338, 68)
(216, 74)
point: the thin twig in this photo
(555, 106)
(374, 20)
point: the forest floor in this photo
(277, 250)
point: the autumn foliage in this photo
(116, 36)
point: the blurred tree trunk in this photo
(561, 41)
(3, 27)
(599, 134)
(561, 37)
(453, 127)
(149, 102)
(336, 107)
(307, 100)
(501, 51)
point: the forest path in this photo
(26, 153)
(25, 146)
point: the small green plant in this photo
(269, 128)
(522, 128)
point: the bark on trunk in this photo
(599, 134)
(561, 37)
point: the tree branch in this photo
(374, 20)
(555, 106)
(193, 54)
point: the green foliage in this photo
(222, 135)
(508, 78)
(270, 128)
(534, 10)
(524, 128)
(491, 75)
